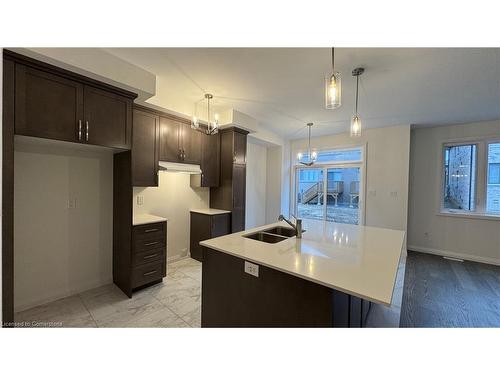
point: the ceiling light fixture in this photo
(333, 87)
(312, 155)
(356, 121)
(212, 125)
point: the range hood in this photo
(179, 167)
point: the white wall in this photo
(173, 199)
(256, 185)
(60, 251)
(474, 239)
(387, 164)
(273, 183)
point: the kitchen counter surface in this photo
(142, 219)
(358, 260)
(210, 211)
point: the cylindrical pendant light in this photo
(333, 87)
(356, 121)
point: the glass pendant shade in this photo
(355, 126)
(333, 91)
(194, 123)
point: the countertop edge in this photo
(319, 282)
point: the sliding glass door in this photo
(330, 193)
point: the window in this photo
(459, 180)
(335, 156)
(471, 178)
(331, 189)
(493, 187)
(494, 174)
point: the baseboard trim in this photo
(176, 258)
(25, 305)
(452, 254)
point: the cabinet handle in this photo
(151, 243)
(180, 153)
(87, 131)
(150, 256)
(79, 130)
(150, 273)
(150, 230)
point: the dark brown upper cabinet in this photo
(47, 105)
(210, 160)
(108, 119)
(54, 103)
(145, 148)
(169, 140)
(191, 144)
(178, 142)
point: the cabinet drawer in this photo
(149, 230)
(152, 255)
(147, 273)
(146, 244)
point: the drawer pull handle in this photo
(151, 243)
(150, 273)
(150, 256)
(150, 230)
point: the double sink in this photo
(272, 235)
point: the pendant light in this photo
(333, 87)
(312, 155)
(356, 121)
(212, 125)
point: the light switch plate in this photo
(71, 203)
(140, 200)
(252, 269)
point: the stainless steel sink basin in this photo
(281, 231)
(265, 237)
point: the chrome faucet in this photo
(297, 226)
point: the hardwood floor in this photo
(445, 293)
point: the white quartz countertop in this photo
(141, 219)
(210, 211)
(358, 260)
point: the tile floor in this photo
(174, 303)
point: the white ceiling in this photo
(283, 88)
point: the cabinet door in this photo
(239, 197)
(210, 160)
(170, 149)
(145, 148)
(108, 119)
(46, 105)
(239, 148)
(191, 144)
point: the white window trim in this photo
(340, 164)
(480, 212)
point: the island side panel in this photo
(233, 298)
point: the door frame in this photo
(328, 165)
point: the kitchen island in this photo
(328, 278)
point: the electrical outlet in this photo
(394, 194)
(252, 269)
(140, 200)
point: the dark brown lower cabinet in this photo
(149, 254)
(205, 226)
(234, 298)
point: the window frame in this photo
(481, 178)
(333, 164)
